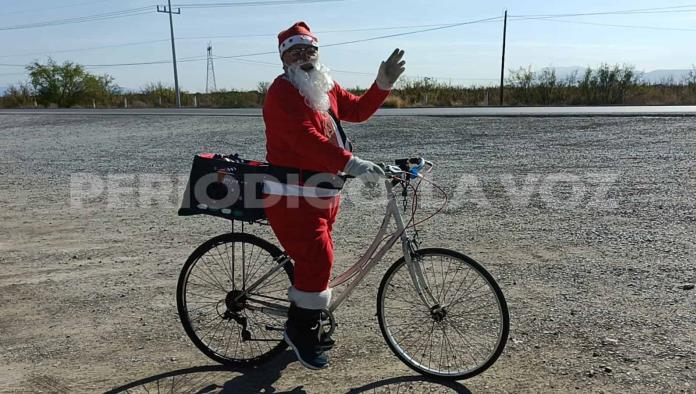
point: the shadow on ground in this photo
(411, 384)
(214, 379)
(220, 379)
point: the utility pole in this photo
(168, 10)
(502, 66)
(210, 85)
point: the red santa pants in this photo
(303, 228)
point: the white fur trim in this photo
(283, 189)
(309, 300)
(298, 39)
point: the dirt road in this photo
(587, 223)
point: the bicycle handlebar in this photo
(411, 166)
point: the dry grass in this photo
(605, 85)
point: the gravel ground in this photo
(587, 223)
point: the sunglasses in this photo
(301, 51)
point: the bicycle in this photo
(440, 312)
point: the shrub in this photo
(18, 96)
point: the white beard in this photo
(314, 85)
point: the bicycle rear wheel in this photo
(223, 325)
(463, 334)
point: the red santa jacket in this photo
(299, 137)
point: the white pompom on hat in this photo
(298, 33)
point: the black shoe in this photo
(303, 332)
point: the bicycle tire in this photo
(211, 255)
(411, 341)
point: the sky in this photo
(466, 54)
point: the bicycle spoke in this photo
(223, 264)
(251, 268)
(457, 270)
(221, 339)
(203, 296)
(201, 308)
(202, 283)
(444, 280)
(466, 290)
(458, 339)
(211, 277)
(459, 302)
(210, 274)
(213, 330)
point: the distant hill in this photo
(658, 76)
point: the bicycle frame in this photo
(365, 264)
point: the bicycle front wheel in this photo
(220, 314)
(460, 336)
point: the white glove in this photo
(367, 171)
(390, 70)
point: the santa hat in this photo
(297, 34)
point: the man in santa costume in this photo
(302, 113)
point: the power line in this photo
(320, 31)
(251, 3)
(276, 65)
(215, 37)
(86, 49)
(659, 10)
(136, 63)
(197, 58)
(549, 17)
(376, 38)
(415, 31)
(146, 10)
(427, 28)
(182, 60)
(82, 19)
(613, 25)
(55, 8)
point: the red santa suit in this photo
(300, 137)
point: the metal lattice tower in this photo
(210, 74)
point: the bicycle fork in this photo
(410, 248)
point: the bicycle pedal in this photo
(271, 328)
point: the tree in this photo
(18, 96)
(158, 92)
(100, 87)
(547, 86)
(262, 90)
(690, 78)
(68, 84)
(522, 81)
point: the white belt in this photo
(284, 189)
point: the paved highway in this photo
(453, 112)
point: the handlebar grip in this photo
(405, 162)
